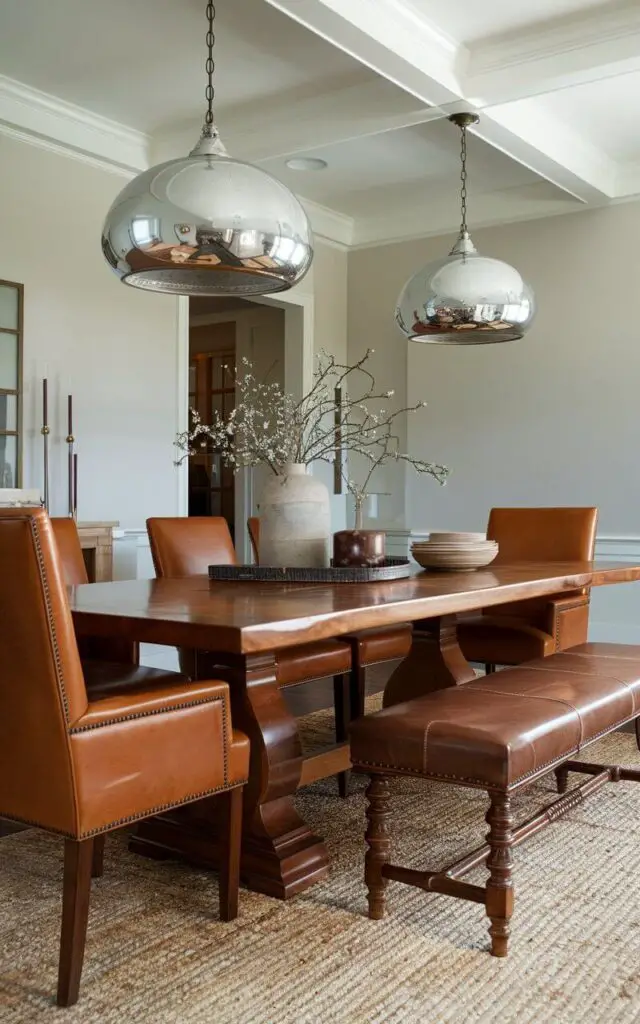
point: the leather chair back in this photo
(74, 568)
(183, 546)
(253, 526)
(541, 535)
(42, 690)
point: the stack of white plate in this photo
(454, 552)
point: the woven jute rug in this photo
(156, 953)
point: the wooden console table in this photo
(96, 540)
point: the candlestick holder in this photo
(71, 461)
(44, 430)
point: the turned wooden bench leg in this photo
(377, 838)
(499, 892)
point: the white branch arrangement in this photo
(270, 426)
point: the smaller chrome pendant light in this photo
(466, 298)
(207, 224)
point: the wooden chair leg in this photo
(97, 859)
(75, 913)
(499, 892)
(342, 708)
(562, 779)
(357, 694)
(230, 853)
(377, 837)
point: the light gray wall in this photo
(551, 419)
(113, 347)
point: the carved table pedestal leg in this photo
(434, 662)
(281, 856)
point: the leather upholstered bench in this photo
(499, 733)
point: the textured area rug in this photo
(156, 953)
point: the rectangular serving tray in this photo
(391, 569)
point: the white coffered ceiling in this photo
(364, 84)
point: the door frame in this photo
(298, 374)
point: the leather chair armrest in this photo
(141, 701)
(567, 620)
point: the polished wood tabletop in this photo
(248, 618)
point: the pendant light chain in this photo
(210, 64)
(463, 179)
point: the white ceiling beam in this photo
(565, 52)
(390, 36)
(628, 180)
(551, 148)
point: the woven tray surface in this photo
(391, 569)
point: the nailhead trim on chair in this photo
(65, 701)
(144, 714)
(50, 619)
(130, 818)
(568, 608)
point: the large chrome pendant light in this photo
(465, 298)
(208, 224)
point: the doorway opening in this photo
(222, 333)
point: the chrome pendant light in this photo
(208, 224)
(465, 298)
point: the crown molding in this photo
(562, 53)
(331, 226)
(556, 37)
(43, 119)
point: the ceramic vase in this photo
(359, 547)
(295, 520)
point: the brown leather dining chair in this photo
(183, 546)
(522, 630)
(369, 647)
(107, 662)
(74, 571)
(80, 767)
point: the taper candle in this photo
(70, 414)
(45, 403)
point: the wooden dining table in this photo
(244, 623)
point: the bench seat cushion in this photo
(511, 725)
